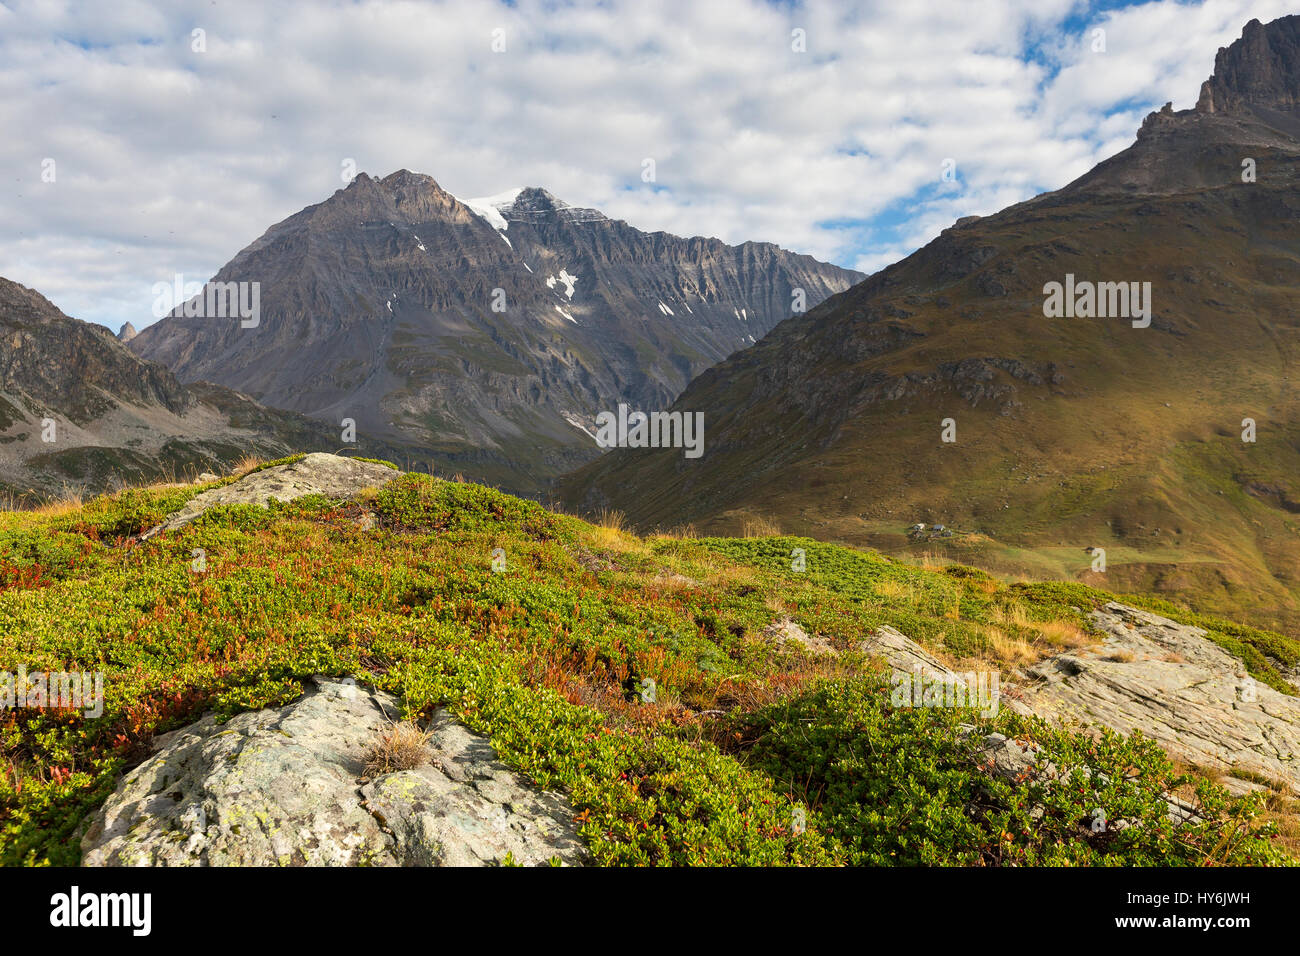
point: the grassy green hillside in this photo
(1069, 432)
(548, 656)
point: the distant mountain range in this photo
(79, 411)
(484, 336)
(1172, 444)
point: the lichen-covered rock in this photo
(1148, 674)
(467, 809)
(333, 476)
(903, 654)
(286, 786)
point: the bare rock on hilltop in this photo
(316, 474)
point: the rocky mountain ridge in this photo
(484, 334)
(79, 411)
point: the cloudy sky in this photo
(822, 126)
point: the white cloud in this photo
(171, 161)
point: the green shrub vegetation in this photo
(545, 656)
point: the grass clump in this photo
(403, 746)
(378, 461)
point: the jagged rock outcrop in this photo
(127, 332)
(1177, 687)
(333, 476)
(486, 333)
(1262, 69)
(1147, 674)
(287, 787)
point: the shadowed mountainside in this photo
(79, 411)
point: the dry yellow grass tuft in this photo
(1061, 633)
(1009, 650)
(759, 526)
(70, 502)
(611, 532)
(891, 589)
(403, 746)
(246, 464)
(611, 520)
(1016, 638)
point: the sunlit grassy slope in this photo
(549, 656)
(1069, 432)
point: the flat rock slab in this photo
(1173, 684)
(333, 476)
(905, 656)
(1148, 674)
(285, 787)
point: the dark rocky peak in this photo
(61, 364)
(534, 204)
(418, 198)
(401, 197)
(19, 304)
(127, 332)
(1260, 70)
(1249, 107)
(365, 198)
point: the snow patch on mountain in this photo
(577, 423)
(491, 207)
(568, 280)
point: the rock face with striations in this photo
(485, 333)
(1148, 674)
(1261, 70)
(1178, 688)
(50, 362)
(287, 787)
